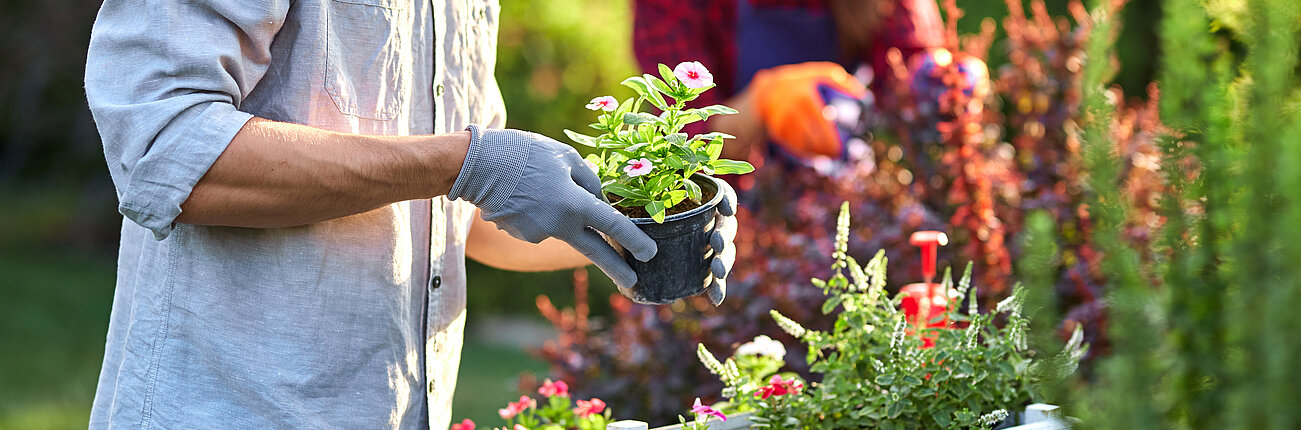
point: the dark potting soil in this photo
(706, 194)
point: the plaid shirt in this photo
(672, 31)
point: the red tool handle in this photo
(928, 241)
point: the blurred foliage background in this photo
(59, 225)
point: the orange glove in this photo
(792, 109)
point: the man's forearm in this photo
(745, 125)
(493, 247)
(279, 175)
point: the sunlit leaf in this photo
(731, 167)
(637, 118)
(656, 211)
(622, 190)
(580, 139)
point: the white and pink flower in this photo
(693, 74)
(514, 408)
(700, 409)
(588, 408)
(638, 167)
(552, 389)
(605, 103)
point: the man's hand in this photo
(534, 187)
(724, 252)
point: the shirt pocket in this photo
(367, 57)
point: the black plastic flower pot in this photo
(681, 266)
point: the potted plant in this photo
(661, 177)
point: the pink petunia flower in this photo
(605, 103)
(558, 388)
(514, 408)
(519, 427)
(700, 409)
(638, 167)
(587, 408)
(777, 387)
(464, 425)
(693, 74)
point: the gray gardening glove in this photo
(535, 187)
(724, 252)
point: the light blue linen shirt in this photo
(352, 323)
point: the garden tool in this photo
(925, 304)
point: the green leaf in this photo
(676, 196)
(688, 155)
(693, 190)
(632, 202)
(658, 184)
(718, 110)
(894, 410)
(658, 84)
(667, 73)
(643, 88)
(606, 142)
(714, 149)
(580, 139)
(714, 135)
(636, 118)
(942, 418)
(626, 191)
(831, 303)
(678, 138)
(656, 211)
(624, 107)
(638, 84)
(730, 167)
(675, 162)
(884, 380)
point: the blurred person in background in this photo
(781, 63)
(301, 182)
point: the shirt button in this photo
(431, 387)
(438, 91)
(436, 282)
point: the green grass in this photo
(488, 379)
(53, 318)
(54, 314)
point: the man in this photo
(299, 199)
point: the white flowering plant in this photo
(646, 161)
(876, 372)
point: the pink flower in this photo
(588, 407)
(700, 409)
(693, 74)
(464, 425)
(550, 389)
(777, 387)
(639, 167)
(605, 103)
(514, 408)
(520, 427)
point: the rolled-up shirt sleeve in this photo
(165, 80)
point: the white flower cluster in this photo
(763, 345)
(993, 418)
(726, 372)
(788, 325)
